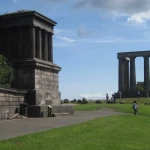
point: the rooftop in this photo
(26, 13)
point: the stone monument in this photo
(26, 41)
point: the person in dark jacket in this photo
(135, 107)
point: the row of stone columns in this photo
(39, 43)
(127, 81)
(43, 40)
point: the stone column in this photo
(39, 44)
(126, 74)
(132, 74)
(121, 75)
(125, 78)
(45, 50)
(20, 42)
(146, 73)
(32, 42)
(50, 47)
(8, 43)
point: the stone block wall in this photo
(63, 109)
(40, 79)
(24, 78)
(10, 99)
(46, 86)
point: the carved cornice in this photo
(35, 62)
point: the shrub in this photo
(6, 72)
(79, 101)
(98, 102)
(66, 101)
(73, 101)
(84, 101)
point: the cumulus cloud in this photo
(140, 17)
(135, 10)
(124, 6)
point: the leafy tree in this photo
(140, 86)
(6, 72)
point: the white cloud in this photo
(57, 31)
(95, 96)
(61, 44)
(140, 17)
(67, 39)
(137, 11)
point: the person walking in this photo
(147, 94)
(138, 94)
(135, 107)
(119, 92)
(107, 97)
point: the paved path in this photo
(13, 128)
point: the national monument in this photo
(127, 72)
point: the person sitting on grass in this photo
(135, 107)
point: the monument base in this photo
(45, 111)
(132, 94)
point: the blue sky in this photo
(87, 38)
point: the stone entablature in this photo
(27, 18)
(127, 70)
(134, 54)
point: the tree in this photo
(6, 72)
(140, 86)
(66, 101)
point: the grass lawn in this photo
(127, 107)
(122, 132)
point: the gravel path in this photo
(13, 128)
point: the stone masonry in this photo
(10, 100)
(26, 40)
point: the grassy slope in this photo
(125, 132)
